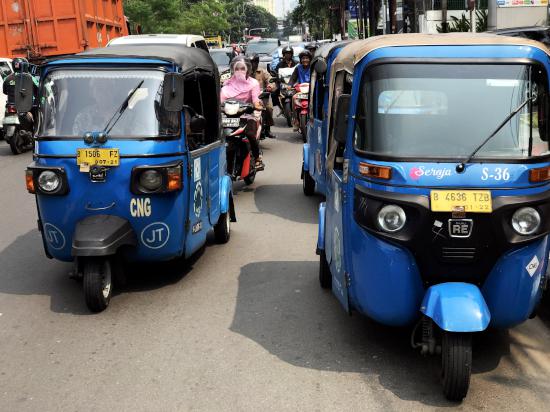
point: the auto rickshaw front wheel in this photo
(325, 277)
(97, 282)
(222, 229)
(308, 184)
(456, 354)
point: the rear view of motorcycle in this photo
(241, 163)
(18, 129)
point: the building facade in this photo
(266, 4)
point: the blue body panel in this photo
(321, 230)
(315, 155)
(167, 225)
(456, 307)
(384, 280)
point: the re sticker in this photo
(197, 169)
(532, 266)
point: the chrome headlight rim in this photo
(51, 178)
(516, 221)
(155, 183)
(387, 210)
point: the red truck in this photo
(37, 29)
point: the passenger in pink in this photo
(245, 88)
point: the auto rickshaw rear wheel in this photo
(97, 282)
(456, 354)
(222, 229)
(308, 184)
(325, 277)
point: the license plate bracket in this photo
(469, 201)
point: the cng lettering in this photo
(140, 207)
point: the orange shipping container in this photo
(42, 28)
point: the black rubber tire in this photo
(222, 229)
(303, 127)
(97, 283)
(325, 277)
(456, 365)
(288, 114)
(308, 184)
(15, 144)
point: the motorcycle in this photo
(301, 107)
(286, 92)
(18, 128)
(241, 164)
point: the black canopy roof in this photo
(188, 58)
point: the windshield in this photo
(220, 57)
(261, 47)
(446, 111)
(75, 101)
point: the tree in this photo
(321, 16)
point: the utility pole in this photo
(343, 18)
(444, 15)
(393, 16)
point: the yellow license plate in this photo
(474, 201)
(102, 157)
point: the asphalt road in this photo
(243, 326)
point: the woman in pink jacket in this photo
(243, 87)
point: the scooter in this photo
(286, 92)
(18, 128)
(301, 107)
(241, 164)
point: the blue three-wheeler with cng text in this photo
(129, 163)
(437, 208)
(314, 151)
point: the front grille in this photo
(458, 254)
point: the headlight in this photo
(391, 218)
(48, 181)
(151, 180)
(526, 221)
(231, 109)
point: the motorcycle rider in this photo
(300, 75)
(241, 86)
(263, 77)
(287, 60)
(20, 65)
(311, 47)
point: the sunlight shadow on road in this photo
(281, 307)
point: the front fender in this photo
(226, 197)
(306, 157)
(456, 307)
(321, 234)
(102, 235)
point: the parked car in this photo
(538, 33)
(189, 40)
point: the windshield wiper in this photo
(120, 111)
(462, 165)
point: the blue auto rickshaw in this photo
(314, 151)
(437, 209)
(129, 162)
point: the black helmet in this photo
(288, 49)
(305, 53)
(18, 63)
(242, 59)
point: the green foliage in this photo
(322, 16)
(463, 24)
(210, 17)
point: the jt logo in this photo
(155, 235)
(54, 236)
